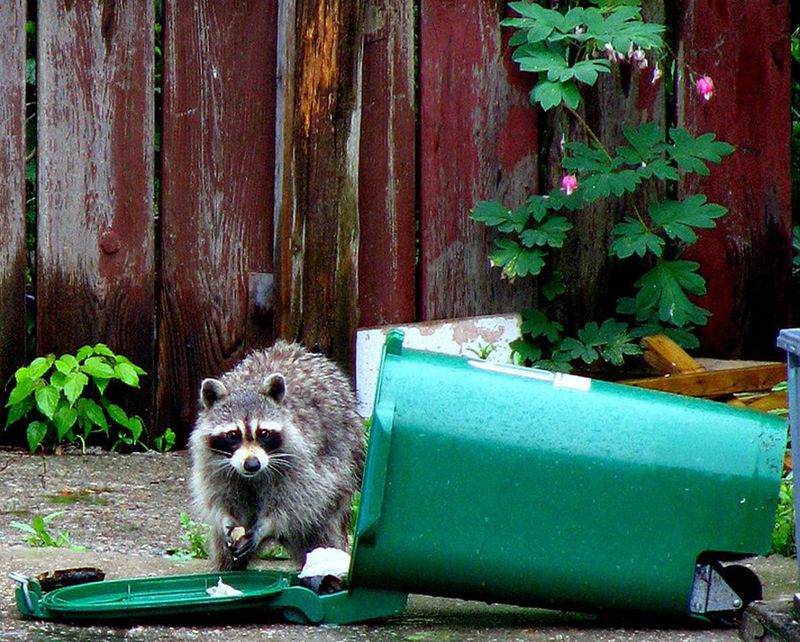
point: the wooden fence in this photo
(311, 179)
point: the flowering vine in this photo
(569, 49)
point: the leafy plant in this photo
(783, 533)
(40, 535)
(67, 395)
(165, 441)
(570, 49)
(195, 539)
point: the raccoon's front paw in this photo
(240, 543)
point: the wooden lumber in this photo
(666, 357)
(718, 382)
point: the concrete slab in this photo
(127, 514)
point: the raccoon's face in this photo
(243, 430)
(248, 445)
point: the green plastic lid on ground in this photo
(258, 593)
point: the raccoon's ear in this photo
(274, 387)
(212, 391)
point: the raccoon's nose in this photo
(251, 464)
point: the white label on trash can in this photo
(573, 382)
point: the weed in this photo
(40, 535)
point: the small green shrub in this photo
(66, 397)
(40, 535)
(195, 540)
(783, 534)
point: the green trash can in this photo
(515, 485)
(507, 484)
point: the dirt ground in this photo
(125, 510)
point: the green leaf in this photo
(64, 419)
(126, 373)
(585, 158)
(66, 363)
(664, 289)
(677, 218)
(136, 426)
(101, 384)
(659, 168)
(21, 391)
(526, 351)
(103, 349)
(539, 57)
(58, 380)
(85, 351)
(25, 528)
(36, 432)
(631, 237)
(47, 399)
(98, 367)
(576, 349)
(516, 260)
(73, 388)
(551, 94)
(691, 154)
(647, 143)
(93, 412)
(536, 324)
(552, 231)
(117, 414)
(553, 285)
(494, 214)
(39, 366)
(19, 410)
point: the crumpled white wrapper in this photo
(223, 590)
(326, 561)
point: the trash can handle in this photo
(380, 436)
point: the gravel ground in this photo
(125, 510)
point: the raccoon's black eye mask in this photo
(268, 440)
(225, 443)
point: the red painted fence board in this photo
(216, 202)
(477, 140)
(387, 189)
(95, 180)
(747, 259)
(12, 187)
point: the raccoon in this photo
(276, 455)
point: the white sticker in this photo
(573, 382)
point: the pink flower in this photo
(569, 184)
(705, 86)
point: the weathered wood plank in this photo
(478, 140)
(387, 189)
(217, 172)
(316, 189)
(666, 357)
(95, 180)
(626, 96)
(746, 260)
(715, 383)
(12, 187)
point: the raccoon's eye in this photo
(268, 439)
(233, 435)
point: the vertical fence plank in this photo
(478, 140)
(316, 194)
(95, 195)
(12, 188)
(216, 216)
(625, 96)
(387, 190)
(746, 260)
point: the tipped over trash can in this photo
(506, 484)
(509, 484)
